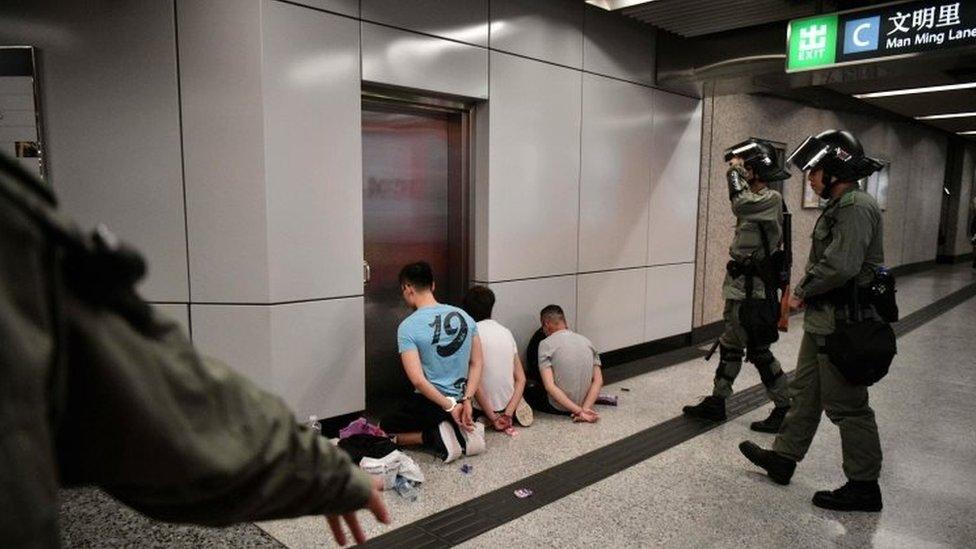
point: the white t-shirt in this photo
(497, 375)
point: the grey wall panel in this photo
(534, 158)
(550, 30)
(313, 153)
(925, 205)
(223, 142)
(238, 335)
(111, 121)
(318, 355)
(481, 195)
(961, 243)
(461, 20)
(345, 7)
(176, 311)
(611, 308)
(311, 354)
(669, 295)
(402, 58)
(615, 174)
(618, 46)
(674, 181)
(517, 304)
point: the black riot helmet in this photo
(838, 153)
(760, 156)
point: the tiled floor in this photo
(702, 493)
(712, 497)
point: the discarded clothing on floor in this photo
(360, 446)
(393, 465)
(361, 427)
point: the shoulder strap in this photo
(765, 239)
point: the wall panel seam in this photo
(179, 110)
(259, 304)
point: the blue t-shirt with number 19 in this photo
(442, 335)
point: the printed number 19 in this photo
(436, 325)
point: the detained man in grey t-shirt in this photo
(570, 370)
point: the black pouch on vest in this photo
(882, 292)
(862, 349)
(759, 317)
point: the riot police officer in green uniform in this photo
(758, 231)
(846, 250)
(98, 389)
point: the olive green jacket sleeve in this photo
(843, 257)
(186, 439)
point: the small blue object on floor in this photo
(467, 468)
(406, 488)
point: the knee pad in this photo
(729, 354)
(763, 359)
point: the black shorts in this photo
(415, 414)
(537, 397)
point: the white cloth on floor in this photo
(390, 466)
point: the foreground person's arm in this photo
(182, 438)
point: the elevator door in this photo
(413, 200)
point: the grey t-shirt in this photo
(571, 357)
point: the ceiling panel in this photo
(699, 17)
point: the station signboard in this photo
(884, 32)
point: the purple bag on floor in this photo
(360, 427)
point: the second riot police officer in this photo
(758, 212)
(845, 258)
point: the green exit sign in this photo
(890, 31)
(812, 42)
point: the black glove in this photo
(737, 181)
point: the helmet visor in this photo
(809, 154)
(747, 151)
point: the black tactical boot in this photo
(712, 409)
(853, 496)
(779, 468)
(772, 423)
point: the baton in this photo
(708, 356)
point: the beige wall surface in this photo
(958, 233)
(911, 219)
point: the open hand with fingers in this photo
(374, 505)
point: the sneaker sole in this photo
(450, 441)
(523, 414)
(474, 442)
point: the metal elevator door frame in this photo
(384, 376)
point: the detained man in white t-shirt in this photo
(499, 397)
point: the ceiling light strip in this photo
(946, 116)
(913, 91)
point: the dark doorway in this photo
(415, 201)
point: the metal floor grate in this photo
(483, 513)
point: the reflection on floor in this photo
(701, 493)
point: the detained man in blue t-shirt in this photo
(441, 355)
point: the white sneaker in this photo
(474, 442)
(523, 413)
(450, 440)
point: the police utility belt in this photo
(863, 347)
(737, 269)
